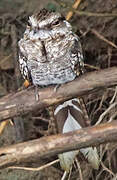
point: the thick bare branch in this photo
(24, 101)
(52, 145)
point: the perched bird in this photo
(50, 53)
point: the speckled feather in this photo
(50, 53)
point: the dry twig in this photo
(75, 5)
(86, 13)
(2, 126)
(34, 169)
(79, 169)
(103, 38)
(105, 113)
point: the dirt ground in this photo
(97, 29)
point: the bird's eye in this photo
(55, 23)
(28, 24)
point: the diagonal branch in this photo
(24, 101)
(52, 145)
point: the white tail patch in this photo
(66, 159)
(72, 122)
(92, 156)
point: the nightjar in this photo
(50, 53)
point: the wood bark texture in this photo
(23, 102)
(48, 146)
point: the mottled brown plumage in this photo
(50, 53)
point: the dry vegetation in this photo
(96, 24)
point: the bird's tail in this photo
(69, 117)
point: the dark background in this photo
(97, 55)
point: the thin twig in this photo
(2, 126)
(114, 96)
(91, 66)
(79, 169)
(112, 117)
(64, 175)
(86, 13)
(5, 59)
(106, 169)
(103, 38)
(105, 113)
(70, 13)
(34, 169)
(70, 172)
